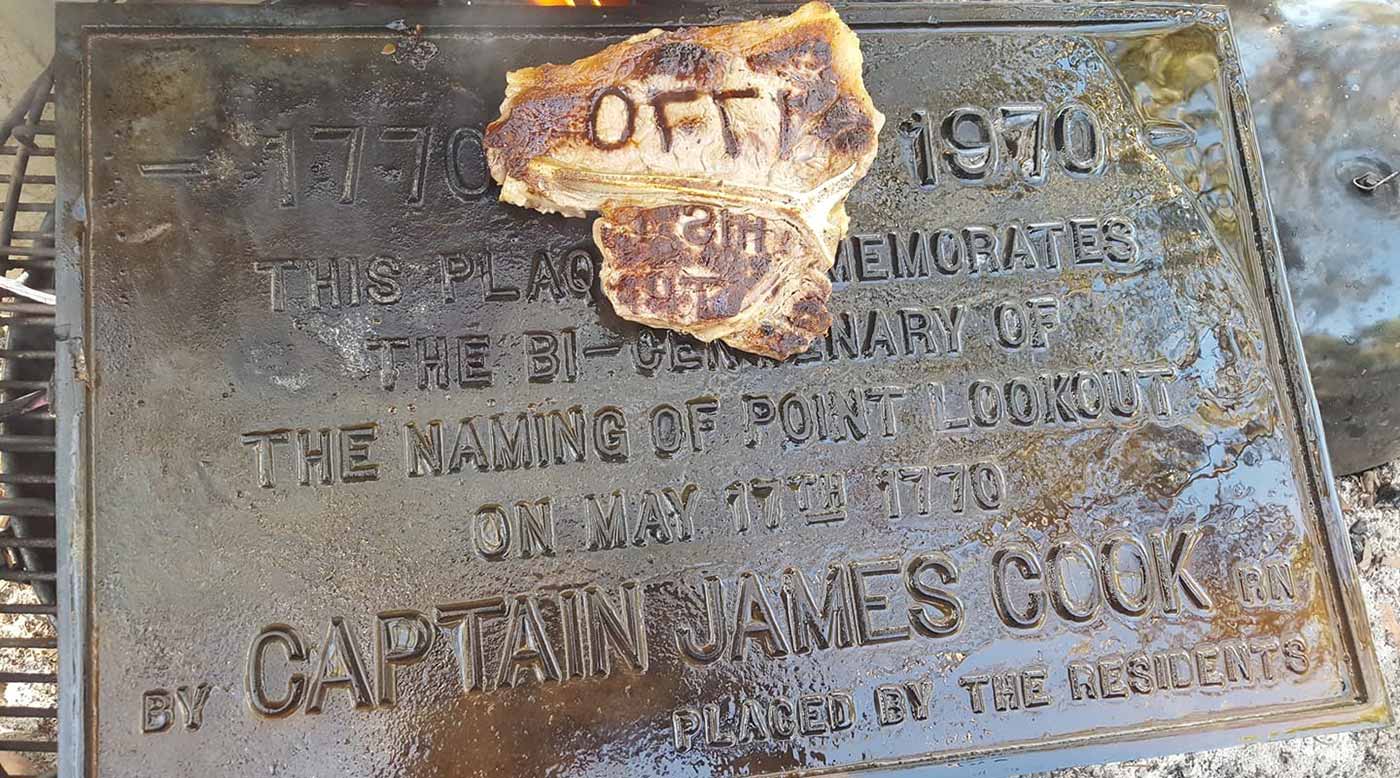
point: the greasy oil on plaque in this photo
(720, 159)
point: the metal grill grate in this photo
(28, 637)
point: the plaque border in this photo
(76, 390)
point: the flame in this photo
(573, 3)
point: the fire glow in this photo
(577, 3)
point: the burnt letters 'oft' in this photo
(720, 159)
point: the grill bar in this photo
(27, 712)
(26, 478)
(29, 251)
(46, 643)
(28, 179)
(21, 575)
(27, 542)
(35, 151)
(29, 608)
(26, 443)
(41, 746)
(26, 506)
(13, 677)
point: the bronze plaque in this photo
(362, 476)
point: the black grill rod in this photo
(23, 106)
(27, 115)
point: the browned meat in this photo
(719, 158)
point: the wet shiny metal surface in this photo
(1326, 93)
(363, 477)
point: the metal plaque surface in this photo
(362, 476)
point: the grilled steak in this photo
(719, 159)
